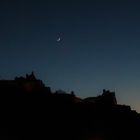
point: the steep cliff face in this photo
(27, 84)
(108, 97)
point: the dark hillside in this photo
(30, 110)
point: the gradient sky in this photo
(100, 46)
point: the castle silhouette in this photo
(31, 110)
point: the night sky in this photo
(99, 45)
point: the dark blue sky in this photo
(100, 46)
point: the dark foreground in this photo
(29, 110)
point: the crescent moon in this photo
(58, 39)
